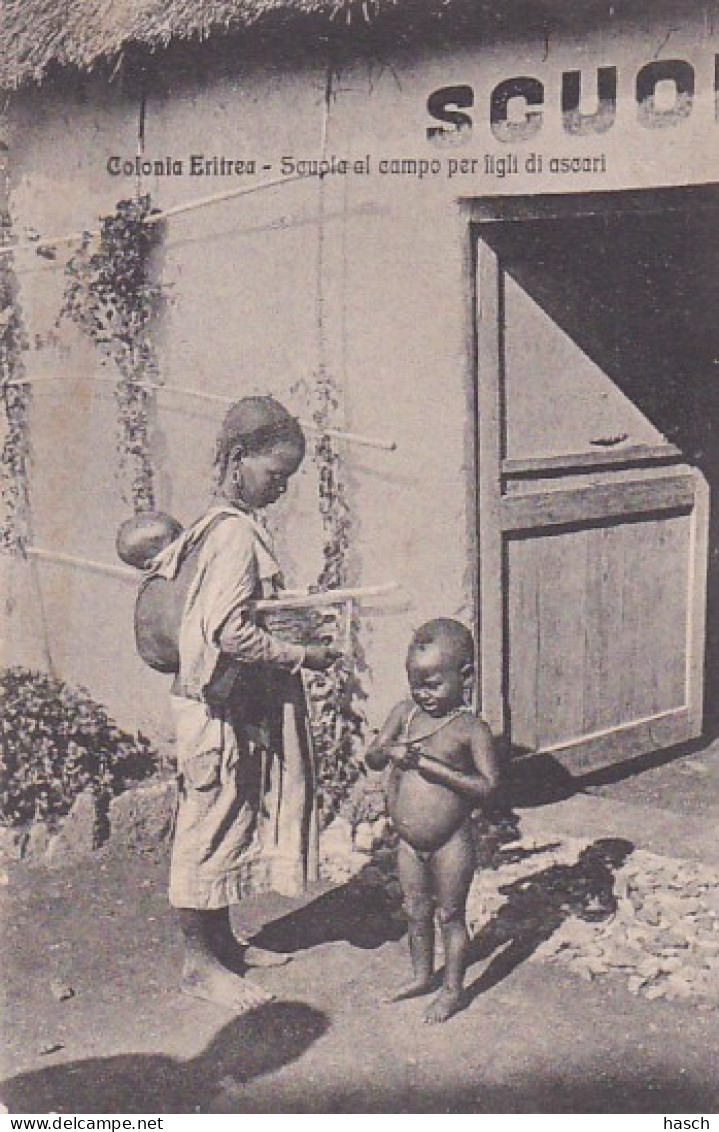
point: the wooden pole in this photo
(293, 599)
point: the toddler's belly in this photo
(424, 814)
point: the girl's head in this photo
(260, 446)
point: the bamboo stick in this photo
(218, 198)
(325, 597)
(291, 599)
(221, 399)
(153, 218)
(127, 573)
(47, 242)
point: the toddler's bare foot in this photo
(444, 1006)
(411, 990)
(213, 983)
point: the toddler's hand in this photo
(407, 758)
(414, 753)
(320, 657)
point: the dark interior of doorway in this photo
(638, 291)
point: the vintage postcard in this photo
(360, 621)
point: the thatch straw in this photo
(87, 33)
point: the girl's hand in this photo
(318, 658)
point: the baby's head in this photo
(139, 539)
(440, 666)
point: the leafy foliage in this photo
(16, 399)
(55, 741)
(365, 801)
(337, 724)
(338, 721)
(337, 728)
(110, 295)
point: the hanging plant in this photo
(16, 399)
(338, 719)
(111, 296)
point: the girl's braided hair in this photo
(256, 424)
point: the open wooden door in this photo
(592, 526)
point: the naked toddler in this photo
(443, 766)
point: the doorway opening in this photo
(597, 343)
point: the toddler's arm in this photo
(377, 755)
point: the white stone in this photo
(380, 827)
(79, 834)
(12, 843)
(336, 840)
(363, 838)
(37, 843)
(142, 816)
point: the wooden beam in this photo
(535, 510)
(489, 488)
(558, 206)
(635, 454)
(697, 603)
(637, 737)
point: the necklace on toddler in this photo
(407, 742)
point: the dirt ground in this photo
(93, 1022)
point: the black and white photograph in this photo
(359, 561)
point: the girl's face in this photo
(263, 477)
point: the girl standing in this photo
(245, 819)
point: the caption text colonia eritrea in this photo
(499, 165)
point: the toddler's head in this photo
(440, 666)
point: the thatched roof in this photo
(35, 34)
(38, 35)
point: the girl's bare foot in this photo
(411, 990)
(261, 957)
(214, 983)
(444, 1006)
(237, 953)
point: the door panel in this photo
(593, 551)
(556, 371)
(598, 624)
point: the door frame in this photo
(485, 352)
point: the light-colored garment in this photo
(235, 565)
(246, 817)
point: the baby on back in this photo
(142, 537)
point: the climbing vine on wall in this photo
(16, 398)
(111, 296)
(338, 719)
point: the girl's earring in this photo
(238, 479)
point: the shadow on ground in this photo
(538, 904)
(364, 912)
(248, 1047)
(535, 780)
(577, 1088)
